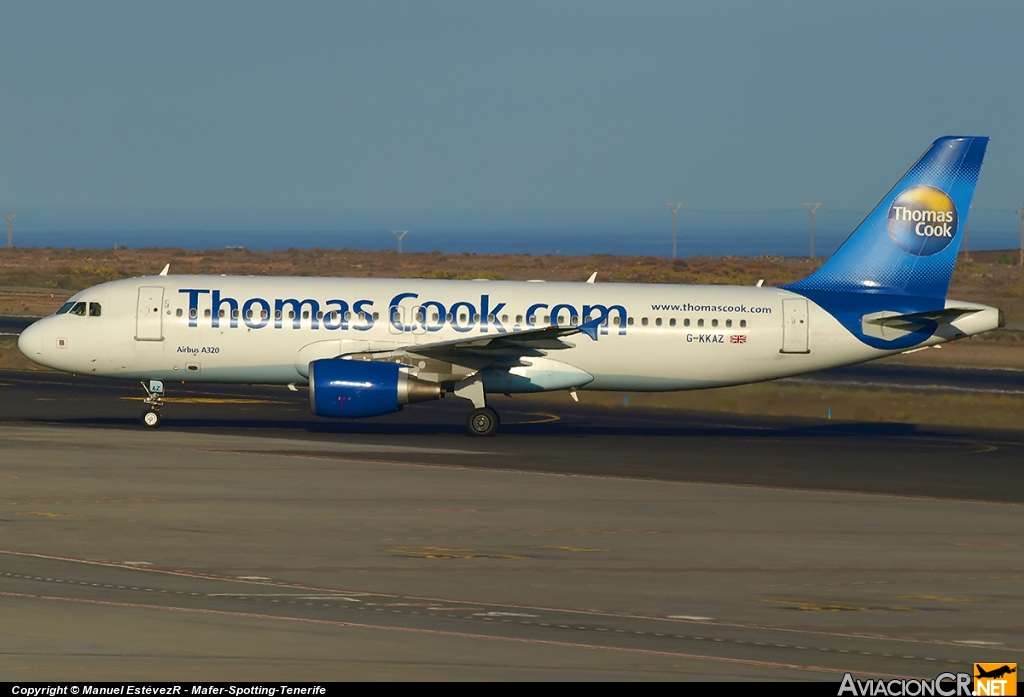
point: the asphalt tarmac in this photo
(248, 540)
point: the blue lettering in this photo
(489, 316)
(296, 305)
(340, 310)
(530, 313)
(588, 311)
(249, 317)
(394, 311)
(440, 316)
(193, 304)
(360, 308)
(232, 310)
(470, 322)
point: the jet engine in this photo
(351, 389)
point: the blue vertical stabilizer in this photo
(909, 242)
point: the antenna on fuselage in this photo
(166, 269)
(593, 277)
(400, 234)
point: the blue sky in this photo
(216, 113)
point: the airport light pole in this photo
(400, 234)
(674, 207)
(10, 228)
(1021, 211)
(811, 208)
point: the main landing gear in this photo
(482, 421)
(154, 401)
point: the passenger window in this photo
(78, 309)
(192, 313)
(319, 315)
(462, 317)
(220, 313)
(629, 321)
(743, 322)
(644, 321)
(672, 322)
(519, 319)
(277, 314)
(700, 323)
(206, 313)
(573, 320)
(264, 314)
(547, 319)
(476, 316)
(657, 322)
(376, 315)
(178, 312)
(714, 323)
(291, 314)
(348, 316)
(94, 309)
(434, 317)
(616, 321)
(234, 314)
(305, 314)
(728, 322)
(64, 308)
(686, 322)
(504, 318)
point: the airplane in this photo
(995, 673)
(368, 347)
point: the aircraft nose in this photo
(30, 342)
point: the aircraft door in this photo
(149, 314)
(794, 326)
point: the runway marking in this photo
(44, 514)
(546, 419)
(467, 606)
(449, 553)
(209, 400)
(572, 549)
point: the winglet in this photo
(592, 278)
(590, 328)
(166, 269)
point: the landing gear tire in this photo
(482, 422)
(151, 418)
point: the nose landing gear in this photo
(154, 401)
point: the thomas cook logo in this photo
(922, 220)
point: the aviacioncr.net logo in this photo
(922, 220)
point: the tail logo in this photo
(922, 220)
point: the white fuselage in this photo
(656, 337)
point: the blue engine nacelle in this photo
(351, 389)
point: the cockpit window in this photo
(94, 309)
(78, 309)
(64, 308)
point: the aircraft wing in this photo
(518, 343)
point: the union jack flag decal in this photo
(738, 339)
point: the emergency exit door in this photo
(794, 327)
(149, 315)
